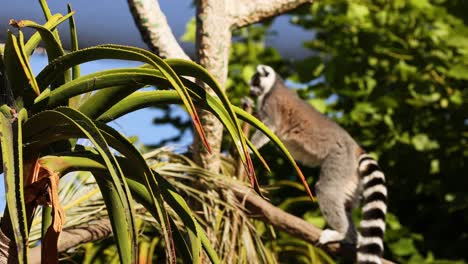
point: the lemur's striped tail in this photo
(372, 226)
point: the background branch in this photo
(247, 12)
(155, 30)
(73, 237)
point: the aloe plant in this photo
(41, 118)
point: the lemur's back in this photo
(299, 126)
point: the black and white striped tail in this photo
(372, 226)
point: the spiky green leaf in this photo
(12, 145)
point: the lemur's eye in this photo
(265, 72)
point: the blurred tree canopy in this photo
(398, 71)
(394, 74)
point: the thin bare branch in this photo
(73, 237)
(247, 12)
(154, 29)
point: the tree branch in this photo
(256, 207)
(260, 209)
(73, 237)
(154, 29)
(213, 42)
(246, 12)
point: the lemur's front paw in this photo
(329, 236)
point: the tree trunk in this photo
(212, 46)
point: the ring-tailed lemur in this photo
(346, 173)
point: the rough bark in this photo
(212, 47)
(247, 12)
(154, 29)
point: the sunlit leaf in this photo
(11, 145)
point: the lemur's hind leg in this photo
(336, 193)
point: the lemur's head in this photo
(262, 81)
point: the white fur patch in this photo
(375, 204)
(374, 175)
(328, 236)
(363, 165)
(373, 223)
(361, 257)
(266, 81)
(377, 188)
(371, 240)
(365, 155)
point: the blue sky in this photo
(110, 21)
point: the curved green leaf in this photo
(52, 45)
(45, 9)
(12, 145)
(144, 99)
(102, 100)
(74, 102)
(142, 195)
(57, 67)
(73, 40)
(140, 100)
(87, 161)
(121, 144)
(191, 69)
(51, 24)
(176, 83)
(75, 123)
(117, 216)
(221, 111)
(48, 16)
(132, 77)
(17, 67)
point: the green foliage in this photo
(396, 73)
